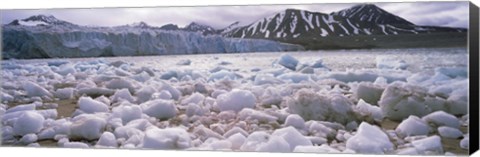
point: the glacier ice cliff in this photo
(54, 41)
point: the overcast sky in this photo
(453, 14)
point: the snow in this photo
(170, 138)
(87, 126)
(441, 118)
(292, 137)
(88, 105)
(449, 132)
(429, 144)
(295, 121)
(162, 109)
(236, 100)
(412, 126)
(288, 61)
(370, 140)
(28, 122)
(34, 89)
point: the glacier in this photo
(59, 41)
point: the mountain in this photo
(204, 29)
(41, 20)
(316, 30)
(48, 37)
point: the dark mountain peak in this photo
(372, 14)
(170, 27)
(41, 19)
(197, 27)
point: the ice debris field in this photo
(270, 102)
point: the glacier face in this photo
(65, 42)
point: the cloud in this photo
(422, 13)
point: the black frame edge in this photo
(473, 43)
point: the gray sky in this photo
(453, 14)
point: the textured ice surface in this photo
(370, 140)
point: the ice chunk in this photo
(64, 93)
(95, 91)
(34, 89)
(312, 106)
(162, 109)
(66, 69)
(48, 114)
(107, 140)
(369, 92)
(236, 100)
(87, 126)
(121, 95)
(412, 126)
(384, 62)
(235, 130)
(194, 109)
(254, 140)
(274, 144)
(6, 97)
(324, 148)
(249, 114)
(288, 61)
(28, 138)
(170, 138)
(294, 77)
(46, 134)
(162, 95)
(449, 132)
(429, 144)
(399, 100)
(28, 122)
(453, 72)
(120, 84)
(441, 118)
(370, 140)
(145, 94)
(369, 112)
(464, 143)
(195, 98)
(88, 105)
(127, 113)
(224, 74)
(237, 140)
(262, 79)
(26, 107)
(184, 62)
(292, 137)
(295, 121)
(75, 145)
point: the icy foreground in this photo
(208, 104)
(63, 41)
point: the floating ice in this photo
(312, 106)
(412, 126)
(145, 94)
(28, 122)
(87, 126)
(236, 100)
(429, 144)
(449, 132)
(370, 140)
(292, 137)
(122, 95)
(390, 63)
(295, 121)
(170, 138)
(223, 74)
(288, 62)
(162, 109)
(34, 89)
(88, 105)
(120, 84)
(441, 118)
(294, 77)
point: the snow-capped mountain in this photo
(40, 20)
(196, 27)
(365, 19)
